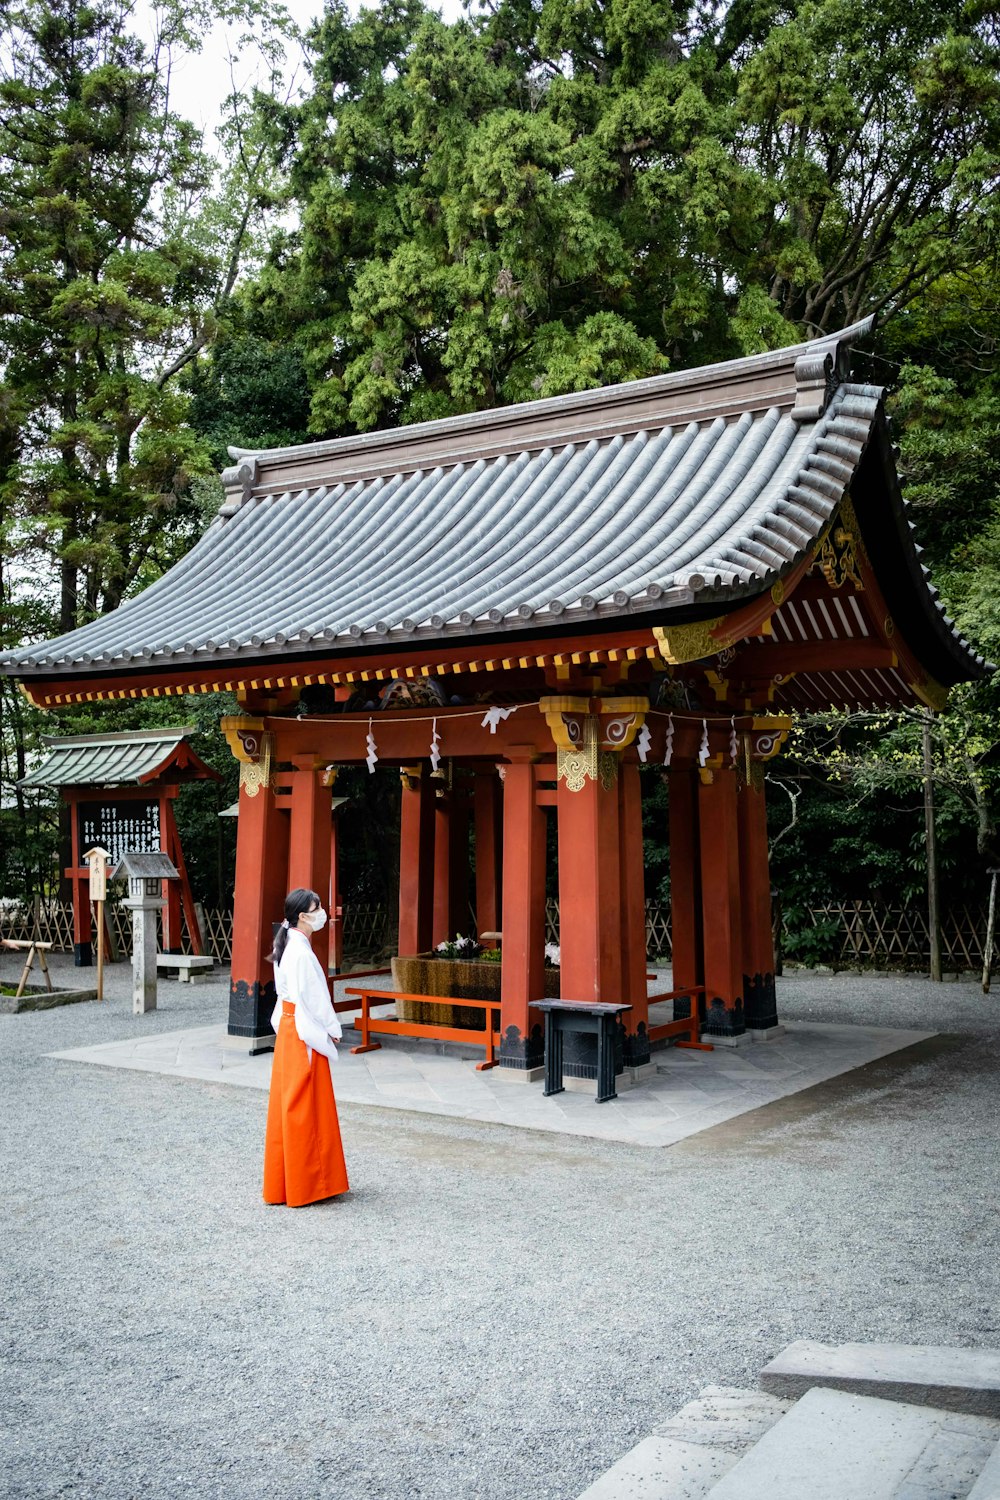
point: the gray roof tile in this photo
(705, 504)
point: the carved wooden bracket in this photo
(253, 747)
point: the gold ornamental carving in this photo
(566, 716)
(607, 769)
(691, 642)
(933, 694)
(838, 560)
(252, 746)
(580, 763)
(621, 720)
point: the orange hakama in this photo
(303, 1154)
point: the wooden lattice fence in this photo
(849, 934)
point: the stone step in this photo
(956, 1379)
(987, 1486)
(684, 1456)
(836, 1446)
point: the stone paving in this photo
(690, 1092)
(492, 1313)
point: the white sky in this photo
(200, 83)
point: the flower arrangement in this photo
(552, 955)
(458, 947)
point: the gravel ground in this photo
(491, 1313)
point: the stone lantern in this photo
(145, 874)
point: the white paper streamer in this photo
(494, 715)
(704, 752)
(733, 742)
(371, 759)
(668, 753)
(643, 743)
(435, 742)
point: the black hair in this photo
(297, 903)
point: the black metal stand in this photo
(576, 1015)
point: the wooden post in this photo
(97, 860)
(309, 840)
(171, 845)
(336, 908)
(720, 902)
(933, 900)
(759, 1000)
(416, 862)
(523, 963)
(590, 892)
(441, 928)
(687, 949)
(635, 990)
(83, 953)
(261, 885)
(990, 924)
(171, 891)
(488, 815)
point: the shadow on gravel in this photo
(905, 1085)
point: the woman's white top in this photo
(299, 977)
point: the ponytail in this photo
(297, 903)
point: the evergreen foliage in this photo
(543, 196)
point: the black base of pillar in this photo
(761, 1011)
(250, 1007)
(635, 1047)
(682, 1008)
(521, 1052)
(721, 1020)
(83, 955)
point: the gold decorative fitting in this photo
(837, 559)
(565, 716)
(409, 777)
(607, 769)
(889, 627)
(252, 746)
(254, 774)
(768, 734)
(244, 735)
(777, 591)
(691, 642)
(579, 763)
(621, 720)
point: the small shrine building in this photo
(518, 608)
(120, 790)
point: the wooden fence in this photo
(846, 934)
(366, 928)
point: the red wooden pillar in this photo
(261, 886)
(336, 906)
(83, 953)
(687, 962)
(759, 1000)
(489, 843)
(633, 916)
(170, 842)
(416, 862)
(720, 903)
(451, 866)
(170, 889)
(590, 892)
(309, 841)
(522, 977)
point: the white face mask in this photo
(315, 919)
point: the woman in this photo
(303, 1156)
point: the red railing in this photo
(390, 1026)
(687, 1024)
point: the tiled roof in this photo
(697, 488)
(104, 760)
